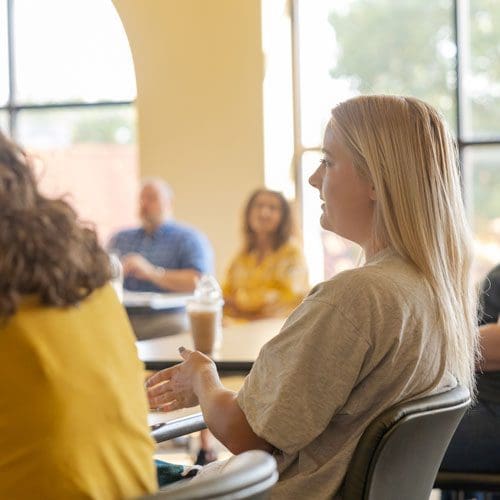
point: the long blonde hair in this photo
(403, 146)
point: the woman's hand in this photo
(175, 387)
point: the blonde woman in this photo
(399, 327)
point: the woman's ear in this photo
(373, 194)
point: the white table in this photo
(241, 344)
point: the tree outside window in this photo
(408, 47)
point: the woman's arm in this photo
(490, 346)
(195, 381)
(224, 416)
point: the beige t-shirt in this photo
(358, 344)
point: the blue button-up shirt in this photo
(171, 246)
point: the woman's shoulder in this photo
(290, 248)
(387, 281)
(40, 328)
(344, 284)
(242, 256)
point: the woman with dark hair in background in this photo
(73, 412)
(268, 278)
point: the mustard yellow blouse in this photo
(73, 410)
(268, 288)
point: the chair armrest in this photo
(179, 427)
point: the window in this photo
(349, 47)
(67, 91)
(4, 122)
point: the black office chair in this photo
(250, 475)
(399, 454)
(459, 482)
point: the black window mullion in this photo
(459, 14)
(70, 104)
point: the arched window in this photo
(67, 92)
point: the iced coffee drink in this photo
(205, 315)
(205, 327)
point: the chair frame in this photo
(250, 475)
(365, 470)
(459, 482)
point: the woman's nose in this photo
(314, 179)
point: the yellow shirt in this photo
(269, 288)
(73, 411)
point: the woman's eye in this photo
(324, 163)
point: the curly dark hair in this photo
(45, 250)
(284, 230)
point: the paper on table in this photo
(155, 300)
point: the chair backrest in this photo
(250, 475)
(399, 454)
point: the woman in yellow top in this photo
(73, 411)
(268, 278)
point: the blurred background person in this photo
(160, 256)
(73, 412)
(475, 445)
(268, 277)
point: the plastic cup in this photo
(206, 325)
(117, 275)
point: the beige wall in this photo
(199, 70)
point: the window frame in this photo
(12, 107)
(459, 22)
